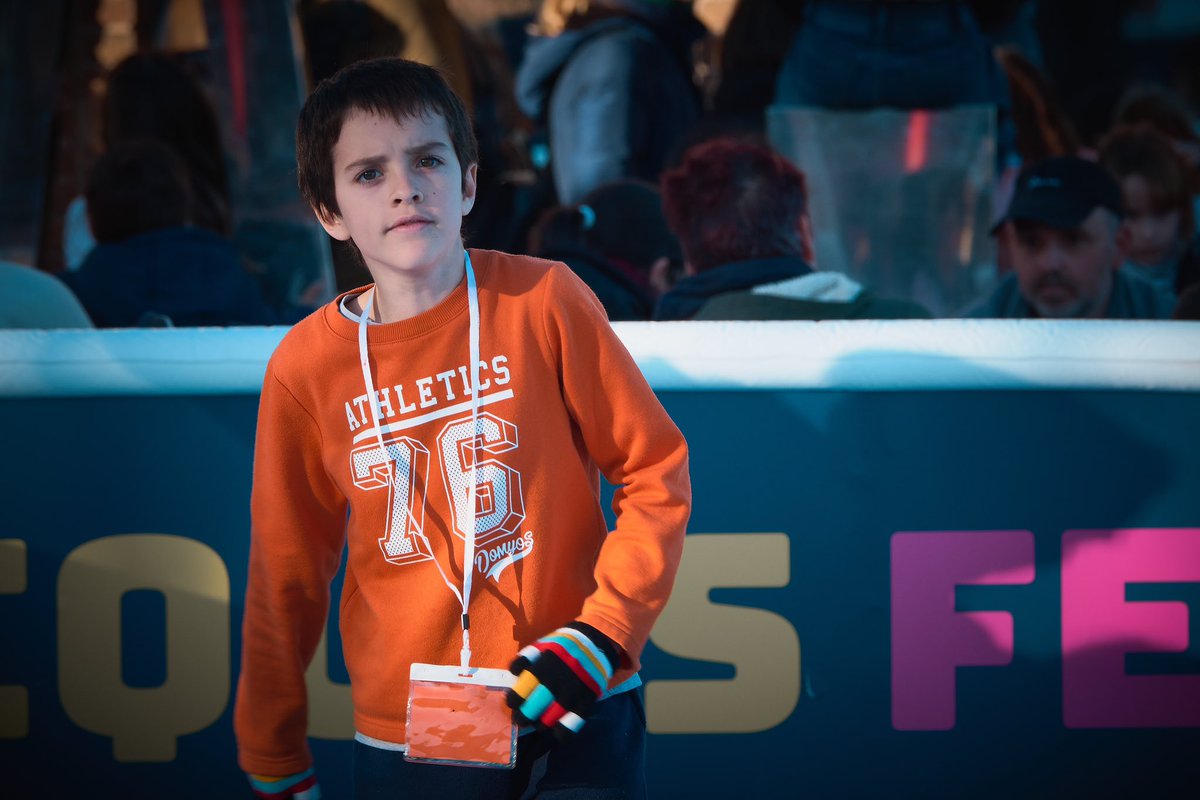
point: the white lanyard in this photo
(464, 597)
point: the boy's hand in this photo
(560, 677)
(301, 786)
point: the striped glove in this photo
(560, 677)
(301, 786)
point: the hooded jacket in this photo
(615, 94)
(777, 289)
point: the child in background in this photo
(1158, 206)
(617, 242)
(458, 411)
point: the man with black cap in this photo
(1064, 230)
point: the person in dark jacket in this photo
(613, 86)
(617, 241)
(740, 212)
(1064, 230)
(150, 267)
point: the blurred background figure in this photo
(151, 266)
(617, 241)
(1068, 245)
(1165, 111)
(903, 103)
(1158, 206)
(612, 82)
(151, 96)
(849, 54)
(1041, 128)
(740, 211)
(752, 48)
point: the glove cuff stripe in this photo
(571, 721)
(576, 665)
(312, 793)
(553, 713)
(286, 786)
(539, 699)
(525, 685)
(584, 650)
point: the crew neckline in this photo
(449, 309)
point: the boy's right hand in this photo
(561, 676)
(301, 786)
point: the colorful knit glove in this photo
(560, 677)
(301, 786)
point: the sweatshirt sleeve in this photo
(639, 450)
(298, 519)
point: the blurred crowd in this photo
(629, 139)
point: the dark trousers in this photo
(604, 761)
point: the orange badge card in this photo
(460, 717)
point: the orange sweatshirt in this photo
(561, 400)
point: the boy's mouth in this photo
(409, 223)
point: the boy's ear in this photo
(332, 223)
(469, 187)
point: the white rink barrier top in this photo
(675, 356)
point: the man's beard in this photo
(1073, 306)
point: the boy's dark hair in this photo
(734, 200)
(391, 87)
(137, 187)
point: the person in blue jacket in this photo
(150, 267)
(613, 87)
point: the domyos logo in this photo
(491, 562)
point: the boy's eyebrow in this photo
(370, 161)
(433, 145)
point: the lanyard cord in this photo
(469, 545)
(464, 597)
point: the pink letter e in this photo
(1099, 627)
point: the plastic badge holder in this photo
(460, 717)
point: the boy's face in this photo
(402, 194)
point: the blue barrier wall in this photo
(926, 559)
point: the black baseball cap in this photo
(1061, 192)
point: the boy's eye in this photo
(367, 175)
(428, 161)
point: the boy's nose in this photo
(406, 191)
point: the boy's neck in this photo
(403, 296)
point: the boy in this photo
(370, 430)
